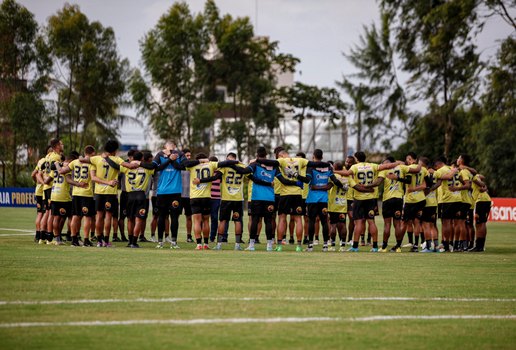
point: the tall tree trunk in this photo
(15, 154)
(448, 126)
(300, 134)
(58, 124)
(344, 134)
(68, 101)
(3, 173)
(359, 131)
(81, 144)
(313, 132)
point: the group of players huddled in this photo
(315, 194)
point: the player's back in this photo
(201, 171)
(232, 184)
(364, 174)
(318, 177)
(267, 174)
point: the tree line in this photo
(67, 79)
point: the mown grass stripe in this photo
(255, 320)
(176, 300)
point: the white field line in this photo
(30, 232)
(14, 229)
(15, 234)
(177, 300)
(255, 320)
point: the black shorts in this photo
(317, 210)
(364, 209)
(137, 205)
(41, 205)
(463, 211)
(62, 209)
(46, 195)
(291, 205)
(228, 207)
(429, 215)
(440, 210)
(413, 211)
(470, 217)
(450, 211)
(83, 206)
(187, 208)
(155, 209)
(169, 204)
(263, 209)
(249, 211)
(107, 203)
(201, 206)
(392, 208)
(337, 218)
(482, 210)
(123, 205)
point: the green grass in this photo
(32, 272)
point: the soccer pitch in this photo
(63, 297)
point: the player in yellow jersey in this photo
(83, 204)
(463, 234)
(106, 190)
(53, 156)
(482, 209)
(60, 197)
(291, 196)
(447, 178)
(122, 212)
(392, 201)
(429, 217)
(200, 195)
(393, 181)
(338, 207)
(365, 204)
(414, 199)
(350, 160)
(137, 185)
(41, 222)
(232, 200)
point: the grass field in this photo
(252, 300)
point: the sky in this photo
(315, 31)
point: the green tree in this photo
(495, 132)
(247, 66)
(311, 102)
(501, 9)
(364, 106)
(374, 59)
(434, 41)
(89, 78)
(23, 68)
(173, 55)
(203, 53)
